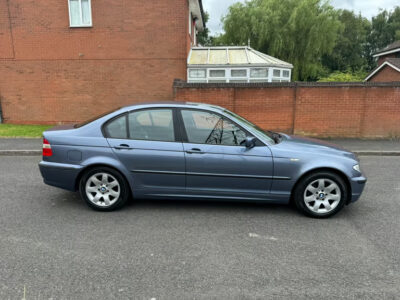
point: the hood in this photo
(309, 145)
(313, 142)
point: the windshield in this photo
(268, 135)
(95, 118)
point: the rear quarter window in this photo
(116, 128)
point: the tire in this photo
(104, 189)
(320, 194)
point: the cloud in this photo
(368, 8)
(217, 9)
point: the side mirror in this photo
(249, 142)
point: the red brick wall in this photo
(59, 74)
(324, 110)
(382, 59)
(386, 74)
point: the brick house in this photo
(388, 68)
(64, 61)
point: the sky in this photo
(368, 8)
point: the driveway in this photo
(54, 246)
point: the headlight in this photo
(357, 168)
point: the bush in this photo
(344, 77)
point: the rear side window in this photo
(152, 125)
(116, 128)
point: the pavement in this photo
(360, 147)
(54, 247)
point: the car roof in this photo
(172, 104)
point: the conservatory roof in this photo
(232, 56)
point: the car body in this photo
(182, 150)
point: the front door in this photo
(149, 149)
(217, 165)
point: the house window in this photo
(277, 73)
(217, 73)
(80, 13)
(281, 75)
(285, 73)
(197, 73)
(239, 73)
(259, 73)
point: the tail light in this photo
(47, 148)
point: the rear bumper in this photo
(357, 187)
(60, 175)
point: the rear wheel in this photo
(320, 194)
(104, 189)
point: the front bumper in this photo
(357, 187)
(60, 175)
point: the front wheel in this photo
(104, 189)
(320, 194)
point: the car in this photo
(183, 150)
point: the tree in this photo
(203, 37)
(296, 31)
(349, 52)
(385, 29)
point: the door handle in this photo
(122, 146)
(194, 150)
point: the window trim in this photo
(197, 78)
(228, 78)
(177, 133)
(185, 138)
(281, 78)
(81, 25)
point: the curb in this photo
(39, 153)
(377, 153)
(20, 152)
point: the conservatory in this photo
(235, 65)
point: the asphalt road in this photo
(54, 246)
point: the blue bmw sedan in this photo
(196, 151)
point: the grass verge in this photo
(24, 131)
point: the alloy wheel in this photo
(322, 196)
(102, 189)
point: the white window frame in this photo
(217, 78)
(280, 78)
(259, 79)
(228, 78)
(196, 80)
(80, 10)
(190, 23)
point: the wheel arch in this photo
(99, 165)
(326, 169)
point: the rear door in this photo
(147, 143)
(217, 165)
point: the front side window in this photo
(208, 128)
(152, 125)
(80, 13)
